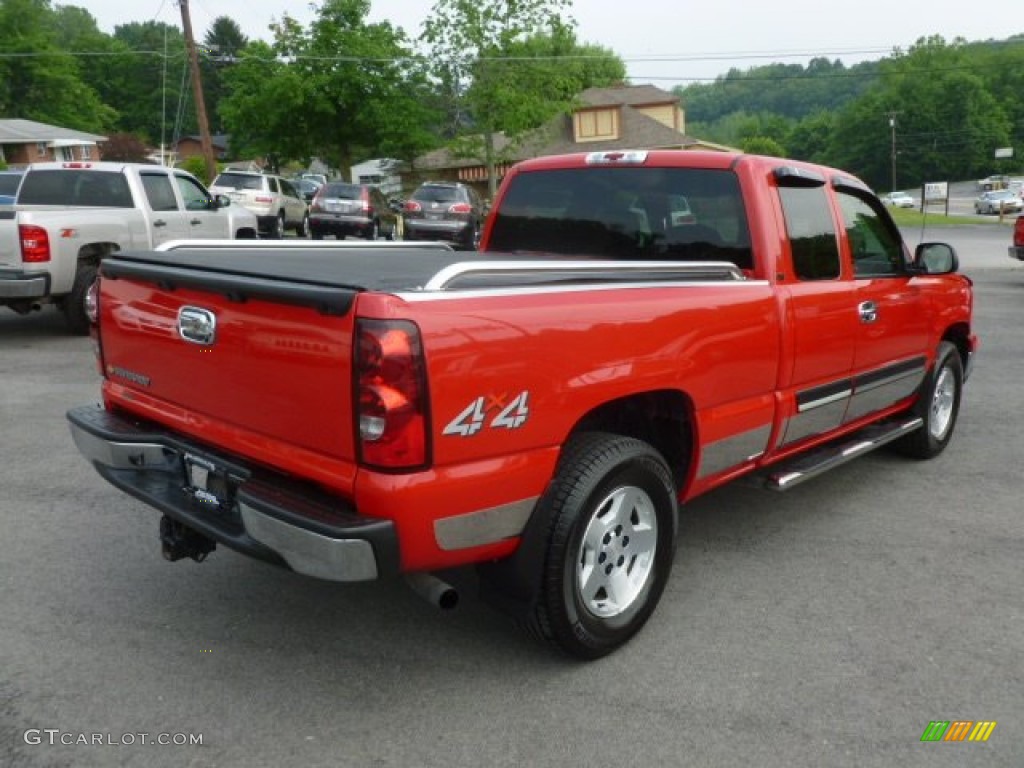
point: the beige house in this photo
(26, 141)
(617, 117)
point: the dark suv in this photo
(341, 209)
(444, 210)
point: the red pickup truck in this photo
(640, 328)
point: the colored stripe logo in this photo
(958, 730)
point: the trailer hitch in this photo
(178, 540)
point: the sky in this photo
(663, 42)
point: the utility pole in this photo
(892, 128)
(197, 91)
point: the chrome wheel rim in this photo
(943, 400)
(616, 556)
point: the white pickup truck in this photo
(68, 216)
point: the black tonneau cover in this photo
(357, 269)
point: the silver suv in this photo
(278, 205)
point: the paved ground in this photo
(823, 627)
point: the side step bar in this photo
(817, 462)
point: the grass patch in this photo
(908, 217)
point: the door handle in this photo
(159, 223)
(868, 311)
(195, 222)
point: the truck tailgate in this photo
(255, 346)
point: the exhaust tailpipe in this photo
(438, 593)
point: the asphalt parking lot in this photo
(827, 626)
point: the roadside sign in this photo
(1004, 152)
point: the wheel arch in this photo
(92, 253)
(959, 335)
(662, 418)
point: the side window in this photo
(159, 192)
(877, 251)
(272, 184)
(812, 234)
(287, 188)
(196, 198)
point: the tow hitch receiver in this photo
(178, 541)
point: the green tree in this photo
(763, 145)
(148, 82)
(947, 123)
(223, 42)
(498, 59)
(39, 78)
(340, 90)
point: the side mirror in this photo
(935, 259)
(221, 201)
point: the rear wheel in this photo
(302, 230)
(611, 514)
(278, 231)
(373, 232)
(938, 405)
(74, 304)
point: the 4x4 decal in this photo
(474, 416)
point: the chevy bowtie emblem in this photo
(197, 325)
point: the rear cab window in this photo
(101, 189)
(678, 214)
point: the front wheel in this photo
(612, 516)
(938, 405)
(302, 229)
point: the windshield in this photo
(625, 213)
(343, 191)
(436, 193)
(239, 181)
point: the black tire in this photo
(74, 304)
(373, 232)
(612, 515)
(938, 405)
(317, 235)
(278, 231)
(302, 229)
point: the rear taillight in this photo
(391, 396)
(412, 205)
(461, 208)
(264, 199)
(35, 244)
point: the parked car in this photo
(899, 200)
(9, 181)
(307, 188)
(278, 205)
(341, 209)
(445, 210)
(999, 200)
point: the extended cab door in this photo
(166, 217)
(822, 325)
(891, 354)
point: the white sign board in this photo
(1004, 152)
(936, 190)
